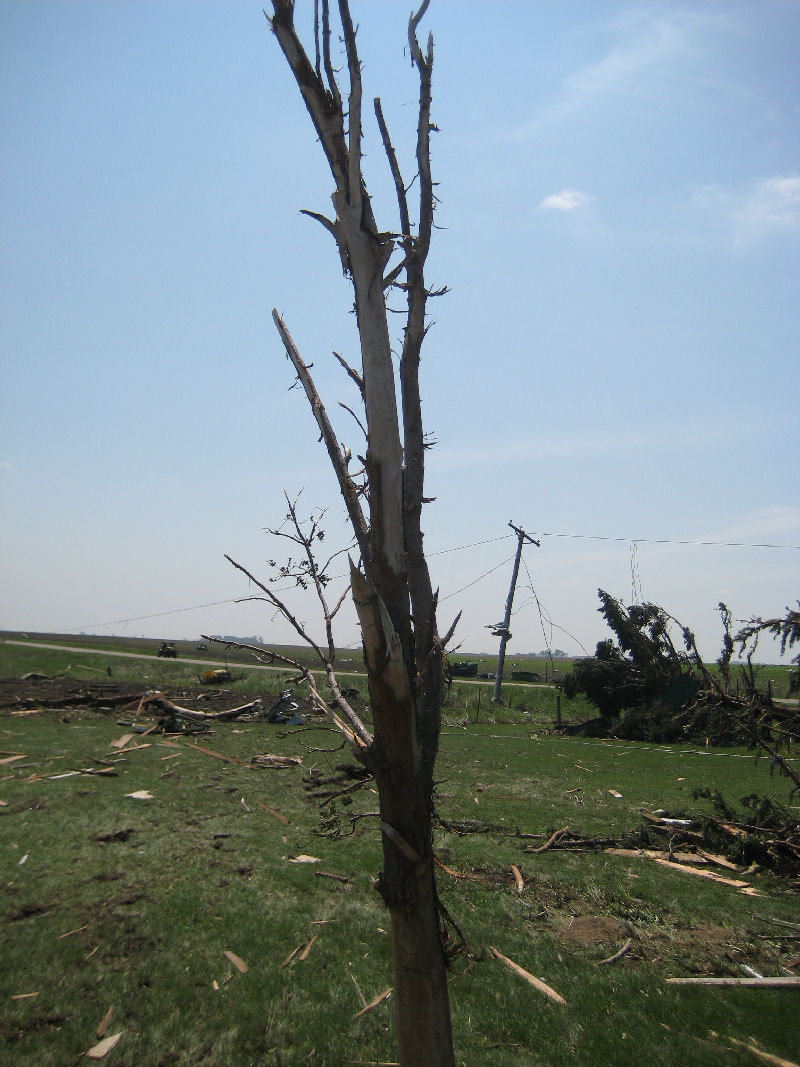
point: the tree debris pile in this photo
(646, 688)
(184, 708)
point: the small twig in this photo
(617, 955)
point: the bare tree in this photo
(391, 586)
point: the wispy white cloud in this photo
(6, 465)
(566, 200)
(648, 43)
(748, 218)
(773, 208)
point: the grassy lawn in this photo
(114, 902)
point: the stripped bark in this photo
(390, 583)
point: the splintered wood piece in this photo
(103, 1027)
(273, 811)
(537, 983)
(237, 961)
(98, 1051)
(374, 1003)
(140, 794)
(517, 877)
(737, 883)
(617, 955)
(121, 742)
(291, 956)
(304, 954)
(755, 983)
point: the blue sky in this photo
(617, 359)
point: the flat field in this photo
(213, 911)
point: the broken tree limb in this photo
(550, 841)
(518, 877)
(537, 983)
(736, 883)
(617, 955)
(752, 983)
(162, 702)
(374, 1002)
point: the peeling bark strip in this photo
(391, 585)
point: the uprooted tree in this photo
(648, 688)
(391, 586)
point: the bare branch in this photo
(351, 372)
(400, 190)
(358, 420)
(346, 484)
(355, 191)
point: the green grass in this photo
(150, 896)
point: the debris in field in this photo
(100, 1050)
(537, 983)
(551, 841)
(273, 811)
(291, 956)
(361, 996)
(518, 877)
(69, 933)
(736, 883)
(778, 1061)
(304, 954)
(23, 996)
(103, 1025)
(140, 794)
(237, 961)
(753, 983)
(23, 860)
(269, 760)
(615, 794)
(121, 742)
(374, 1003)
(617, 955)
(13, 759)
(335, 877)
(302, 858)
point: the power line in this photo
(666, 541)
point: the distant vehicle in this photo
(167, 650)
(201, 647)
(464, 669)
(525, 676)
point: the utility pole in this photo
(501, 630)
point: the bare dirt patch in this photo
(591, 930)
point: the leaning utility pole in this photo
(502, 630)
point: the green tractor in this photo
(167, 650)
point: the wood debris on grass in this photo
(328, 874)
(518, 877)
(102, 1027)
(237, 961)
(270, 760)
(767, 1057)
(121, 742)
(617, 955)
(753, 983)
(301, 952)
(537, 983)
(374, 1002)
(140, 794)
(302, 858)
(102, 1048)
(273, 811)
(12, 759)
(69, 933)
(23, 996)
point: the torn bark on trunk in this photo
(391, 586)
